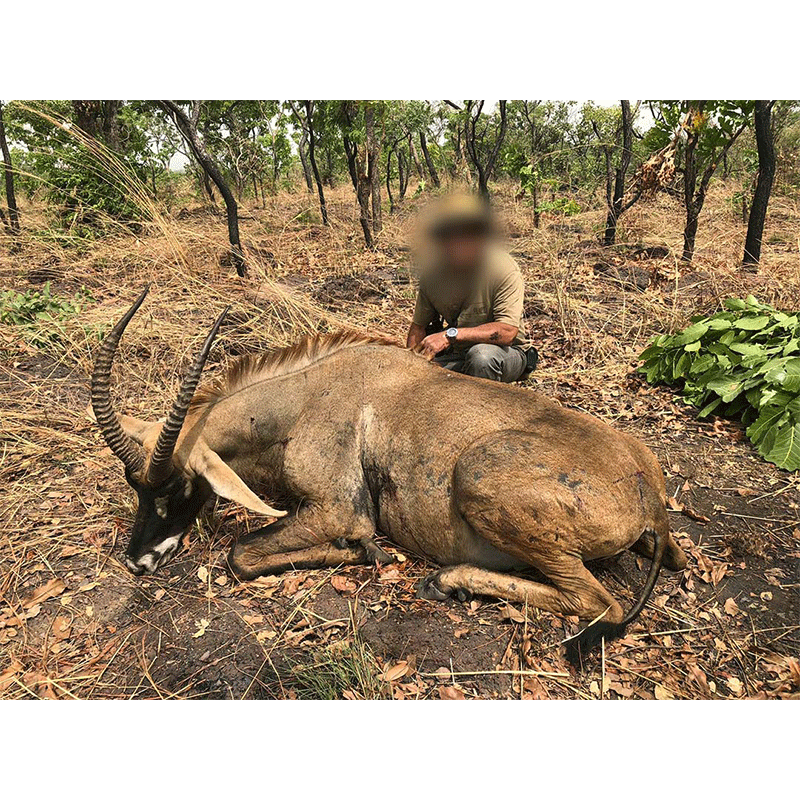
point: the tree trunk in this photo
(188, 129)
(206, 184)
(304, 161)
(428, 160)
(484, 162)
(415, 159)
(402, 172)
(615, 205)
(312, 158)
(689, 185)
(373, 167)
(389, 181)
(100, 120)
(766, 175)
(690, 233)
(8, 169)
(535, 193)
(694, 196)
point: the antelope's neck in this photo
(248, 429)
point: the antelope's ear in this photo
(226, 483)
(137, 429)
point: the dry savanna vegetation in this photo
(74, 623)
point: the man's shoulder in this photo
(503, 265)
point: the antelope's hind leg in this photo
(577, 591)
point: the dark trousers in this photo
(490, 361)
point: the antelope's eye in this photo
(161, 504)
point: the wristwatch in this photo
(451, 334)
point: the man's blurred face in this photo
(462, 247)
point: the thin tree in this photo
(482, 150)
(373, 166)
(302, 149)
(392, 206)
(357, 167)
(423, 143)
(187, 125)
(12, 224)
(615, 176)
(306, 120)
(695, 185)
(766, 174)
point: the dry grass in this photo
(64, 506)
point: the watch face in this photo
(451, 333)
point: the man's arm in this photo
(416, 333)
(499, 333)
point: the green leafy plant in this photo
(561, 205)
(742, 362)
(41, 314)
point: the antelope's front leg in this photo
(309, 539)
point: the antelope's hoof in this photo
(464, 595)
(375, 553)
(239, 565)
(428, 589)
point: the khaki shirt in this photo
(496, 293)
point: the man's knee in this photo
(484, 361)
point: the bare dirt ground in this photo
(75, 623)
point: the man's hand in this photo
(434, 344)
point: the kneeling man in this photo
(469, 311)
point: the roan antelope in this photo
(355, 436)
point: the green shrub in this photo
(40, 314)
(561, 205)
(742, 362)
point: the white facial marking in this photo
(159, 555)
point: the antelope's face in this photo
(169, 500)
(164, 515)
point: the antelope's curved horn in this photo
(128, 451)
(161, 460)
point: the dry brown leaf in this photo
(512, 614)
(8, 675)
(396, 671)
(662, 693)
(52, 588)
(253, 619)
(735, 685)
(450, 693)
(731, 607)
(292, 585)
(343, 585)
(699, 677)
(62, 628)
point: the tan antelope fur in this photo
(353, 436)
